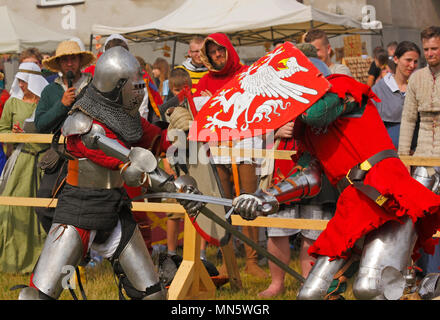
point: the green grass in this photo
(99, 283)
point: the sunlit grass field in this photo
(100, 284)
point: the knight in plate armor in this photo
(383, 214)
(110, 145)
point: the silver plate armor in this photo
(320, 278)
(139, 161)
(389, 246)
(118, 71)
(306, 184)
(138, 266)
(429, 177)
(95, 138)
(91, 175)
(76, 123)
(60, 256)
(430, 286)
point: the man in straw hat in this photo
(55, 102)
(57, 98)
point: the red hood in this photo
(232, 59)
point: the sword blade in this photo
(211, 215)
(228, 227)
(190, 196)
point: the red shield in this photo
(271, 92)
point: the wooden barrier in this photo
(288, 223)
(191, 280)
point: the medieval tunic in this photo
(422, 98)
(21, 238)
(348, 141)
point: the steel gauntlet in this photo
(303, 184)
(160, 181)
(249, 206)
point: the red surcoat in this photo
(348, 141)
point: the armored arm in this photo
(137, 161)
(304, 183)
(328, 109)
(140, 165)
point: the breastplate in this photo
(84, 173)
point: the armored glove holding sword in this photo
(111, 144)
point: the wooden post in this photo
(192, 281)
(231, 266)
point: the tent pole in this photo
(174, 53)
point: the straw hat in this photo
(67, 48)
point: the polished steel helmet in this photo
(118, 77)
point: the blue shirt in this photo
(392, 99)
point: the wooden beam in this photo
(420, 161)
(46, 202)
(27, 138)
(236, 220)
(308, 224)
(252, 153)
(280, 223)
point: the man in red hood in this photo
(222, 61)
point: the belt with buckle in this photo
(356, 176)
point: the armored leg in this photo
(320, 277)
(60, 256)
(429, 177)
(385, 258)
(136, 270)
(430, 286)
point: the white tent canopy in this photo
(247, 22)
(18, 33)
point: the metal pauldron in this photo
(76, 123)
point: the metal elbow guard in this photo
(142, 161)
(160, 181)
(305, 184)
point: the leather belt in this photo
(356, 176)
